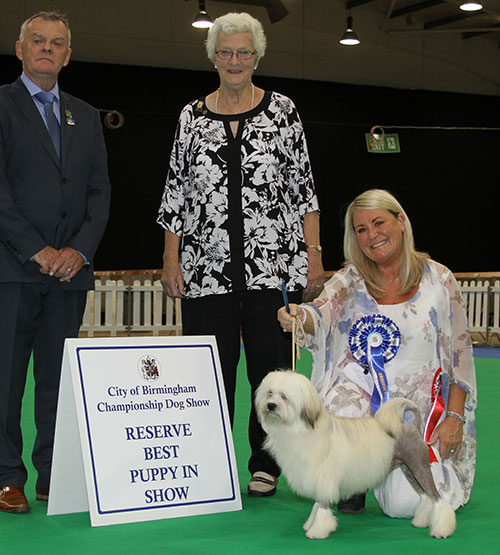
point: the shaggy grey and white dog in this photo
(328, 458)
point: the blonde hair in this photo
(236, 23)
(412, 262)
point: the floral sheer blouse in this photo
(434, 336)
(238, 201)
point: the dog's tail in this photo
(391, 415)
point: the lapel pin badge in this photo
(69, 118)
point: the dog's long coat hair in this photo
(329, 458)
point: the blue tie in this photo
(47, 99)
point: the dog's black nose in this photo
(271, 406)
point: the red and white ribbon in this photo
(435, 413)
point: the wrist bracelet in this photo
(317, 247)
(456, 415)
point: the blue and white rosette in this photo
(374, 340)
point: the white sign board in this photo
(142, 431)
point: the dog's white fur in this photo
(329, 458)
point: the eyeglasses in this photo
(242, 55)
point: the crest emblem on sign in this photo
(149, 368)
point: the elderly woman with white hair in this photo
(241, 218)
(391, 323)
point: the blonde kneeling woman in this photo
(384, 275)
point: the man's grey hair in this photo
(47, 16)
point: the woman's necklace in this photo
(391, 280)
(217, 100)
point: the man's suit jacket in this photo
(44, 200)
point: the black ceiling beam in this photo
(448, 20)
(276, 10)
(356, 3)
(489, 29)
(416, 7)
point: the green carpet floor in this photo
(272, 525)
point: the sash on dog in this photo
(374, 340)
(435, 413)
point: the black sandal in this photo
(353, 505)
(264, 485)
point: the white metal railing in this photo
(495, 294)
(482, 306)
(475, 296)
(142, 306)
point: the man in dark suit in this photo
(54, 203)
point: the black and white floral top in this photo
(238, 202)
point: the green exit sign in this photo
(383, 143)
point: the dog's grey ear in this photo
(309, 416)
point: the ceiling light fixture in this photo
(349, 38)
(471, 6)
(202, 20)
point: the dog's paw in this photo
(317, 536)
(321, 523)
(309, 522)
(444, 521)
(423, 512)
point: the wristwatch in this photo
(317, 247)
